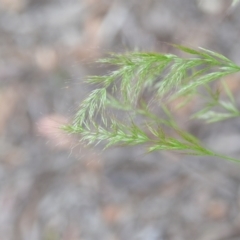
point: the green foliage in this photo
(228, 107)
(131, 105)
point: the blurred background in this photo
(51, 188)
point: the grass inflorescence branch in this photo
(140, 80)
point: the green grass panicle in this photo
(139, 81)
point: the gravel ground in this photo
(50, 187)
